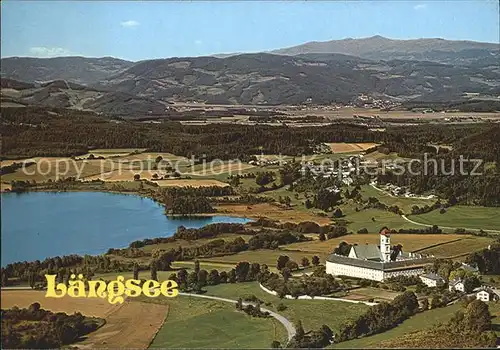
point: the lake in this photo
(37, 225)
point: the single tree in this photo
(154, 271)
(286, 273)
(275, 345)
(299, 331)
(136, 271)
(282, 260)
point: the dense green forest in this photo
(37, 131)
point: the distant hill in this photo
(64, 94)
(421, 70)
(81, 70)
(380, 48)
(277, 79)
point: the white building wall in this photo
(459, 287)
(366, 273)
(408, 272)
(354, 271)
(428, 282)
(483, 296)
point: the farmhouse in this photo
(488, 294)
(457, 285)
(432, 280)
(375, 262)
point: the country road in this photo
(447, 227)
(284, 321)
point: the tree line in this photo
(380, 317)
(36, 328)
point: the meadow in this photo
(262, 256)
(374, 219)
(487, 218)
(410, 242)
(462, 247)
(405, 204)
(200, 323)
(312, 313)
(420, 321)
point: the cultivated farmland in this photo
(442, 245)
(341, 147)
(131, 324)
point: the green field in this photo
(363, 219)
(486, 218)
(312, 313)
(410, 242)
(200, 323)
(405, 204)
(420, 321)
(191, 244)
(464, 246)
(262, 256)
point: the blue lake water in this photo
(38, 225)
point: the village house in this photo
(487, 294)
(456, 285)
(432, 280)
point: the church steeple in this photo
(385, 244)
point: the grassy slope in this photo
(198, 323)
(262, 256)
(312, 313)
(420, 321)
(463, 247)
(403, 203)
(410, 242)
(463, 216)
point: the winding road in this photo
(447, 227)
(284, 321)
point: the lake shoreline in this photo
(54, 226)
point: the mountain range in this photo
(380, 48)
(320, 72)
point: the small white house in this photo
(488, 294)
(456, 285)
(432, 280)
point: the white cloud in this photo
(198, 42)
(420, 7)
(43, 51)
(129, 24)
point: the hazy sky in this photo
(152, 29)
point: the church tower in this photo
(385, 244)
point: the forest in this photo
(36, 328)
